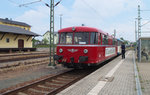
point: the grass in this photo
(43, 46)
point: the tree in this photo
(45, 41)
(125, 41)
(34, 42)
(122, 38)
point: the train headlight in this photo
(85, 51)
(60, 50)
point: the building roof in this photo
(15, 30)
(6, 20)
(144, 38)
(49, 32)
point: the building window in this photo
(7, 40)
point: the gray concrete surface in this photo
(123, 82)
(144, 74)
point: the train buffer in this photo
(118, 77)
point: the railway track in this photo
(26, 53)
(50, 85)
(22, 57)
(24, 63)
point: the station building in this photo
(15, 36)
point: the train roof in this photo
(83, 29)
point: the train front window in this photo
(81, 38)
(66, 38)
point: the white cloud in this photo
(38, 19)
(125, 30)
(93, 13)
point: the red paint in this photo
(95, 54)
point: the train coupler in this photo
(57, 57)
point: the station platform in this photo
(115, 78)
(144, 75)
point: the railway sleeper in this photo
(54, 84)
(38, 91)
(46, 87)
(59, 81)
(21, 93)
(65, 79)
(68, 77)
(43, 89)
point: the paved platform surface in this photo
(115, 78)
(144, 75)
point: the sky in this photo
(106, 15)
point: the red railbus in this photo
(84, 46)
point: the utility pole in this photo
(51, 40)
(60, 21)
(135, 37)
(139, 33)
(52, 5)
(114, 33)
(135, 32)
(139, 22)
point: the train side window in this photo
(100, 38)
(105, 40)
(94, 38)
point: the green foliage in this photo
(45, 41)
(34, 41)
(43, 46)
(125, 41)
(122, 38)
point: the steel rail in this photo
(22, 88)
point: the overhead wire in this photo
(17, 4)
(25, 5)
(94, 10)
(30, 3)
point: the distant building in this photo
(15, 35)
(47, 37)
